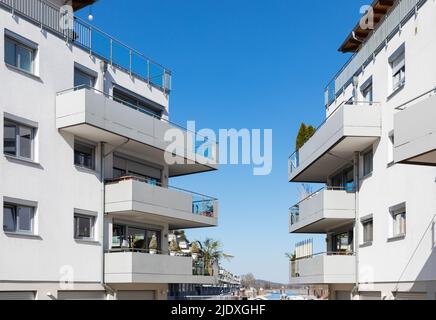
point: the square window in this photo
(83, 227)
(18, 140)
(82, 79)
(84, 155)
(18, 219)
(19, 55)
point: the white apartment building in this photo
(84, 181)
(374, 153)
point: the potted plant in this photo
(152, 246)
(195, 250)
(174, 247)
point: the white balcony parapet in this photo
(402, 11)
(415, 130)
(135, 266)
(324, 268)
(324, 210)
(133, 197)
(81, 34)
(352, 127)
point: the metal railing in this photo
(294, 159)
(402, 11)
(294, 211)
(74, 30)
(202, 146)
(202, 205)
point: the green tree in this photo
(212, 253)
(304, 134)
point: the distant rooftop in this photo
(359, 35)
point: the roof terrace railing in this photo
(89, 38)
(385, 31)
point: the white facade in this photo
(396, 259)
(48, 262)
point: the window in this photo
(368, 233)
(19, 55)
(368, 163)
(84, 155)
(141, 104)
(134, 237)
(398, 65)
(399, 222)
(342, 243)
(18, 140)
(367, 92)
(83, 79)
(18, 219)
(83, 227)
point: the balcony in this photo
(415, 131)
(323, 211)
(324, 268)
(142, 201)
(96, 116)
(353, 127)
(49, 17)
(130, 267)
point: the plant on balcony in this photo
(152, 246)
(304, 134)
(195, 250)
(291, 256)
(174, 247)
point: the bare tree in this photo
(248, 281)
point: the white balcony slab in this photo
(324, 269)
(351, 128)
(324, 211)
(140, 201)
(96, 117)
(136, 268)
(415, 133)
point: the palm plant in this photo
(212, 253)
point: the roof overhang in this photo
(79, 4)
(359, 34)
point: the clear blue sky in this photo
(242, 64)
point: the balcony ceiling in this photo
(359, 35)
(79, 4)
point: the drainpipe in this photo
(103, 200)
(357, 219)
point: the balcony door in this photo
(343, 243)
(126, 167)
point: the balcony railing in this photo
(294, 211)
(294, 159)
(385, 31)
(199, 265)
(202, 146)
(98, 43)
(202, 205)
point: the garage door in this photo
(136, 295)
(81, 295)
(16, 295)
(370, 296)
(343, 295)
(411, 296)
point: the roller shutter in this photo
(136, 295)
(17, 295)
(81, 295)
